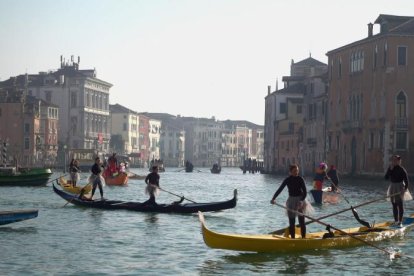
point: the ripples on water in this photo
(75, 241)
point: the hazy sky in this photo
(189, 57)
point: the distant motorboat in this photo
(15, 176)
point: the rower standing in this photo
(296, 200)
(153, 185)
(333, 175)
(96, 177)
(398, 188)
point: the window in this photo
(26, 143)
(125, 128)
(401, 106)
(402, 55)
(299, 109)
(401, 140)
(385, 54)
(339, 68)
(282, 108)
(381, 139)
(375, 57)
(48, 96)
(371, 141)
(26, 128)
(73, 99)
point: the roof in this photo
(310, 61)
(117, 108)
(299, 88)
(390, 25)
(229, 123)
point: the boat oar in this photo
(391, 254)
(176, 195)
(56, 179)
(281, 231)
(78, 194)
(354, 211)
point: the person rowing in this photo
(399, 186)
(333, 176)
(296, 200)
(153, 185)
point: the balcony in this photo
(311, 141)
(351, 125)
(401, 123)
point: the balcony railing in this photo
(349, 125)
(401, 123)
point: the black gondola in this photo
(215, 169)
(142, 207)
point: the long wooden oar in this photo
(77, 195)
(354, 211)
(392, 254)
(56, 179)
(176, 195)
(281, 231)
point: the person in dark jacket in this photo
(333, 176)
(296, 200)
(398, 188)
(153, 185)
(96, 177)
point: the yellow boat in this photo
(68, 187)
(313, 241)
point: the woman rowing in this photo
(296, 200)
(399, 185)
(153, 185)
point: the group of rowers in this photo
(99, 172)
(298, 206)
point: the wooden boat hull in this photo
(7, 217)
(141, 207)
(26, 177)
(136, 176)
(313, 241)
(68, 187)
(118, 180)
(217, 171)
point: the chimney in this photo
(370, 25)
(268, 89)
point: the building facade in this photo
(83, 102)
(28, 129)
(369, 100)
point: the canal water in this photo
(68, 240)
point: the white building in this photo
(125, 123)
(83, 102)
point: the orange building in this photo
(370, 93)
(28, 126)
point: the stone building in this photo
(83, 102)
(370, 95)
(28, 128)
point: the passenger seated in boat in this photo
(296, 200)
(153, 184)
(320, 176)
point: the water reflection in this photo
(259, 263)
(22, 230)
(151, 217)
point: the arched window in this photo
(401, 106)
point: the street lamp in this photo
(64, 154)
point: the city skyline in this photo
(188, 58)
